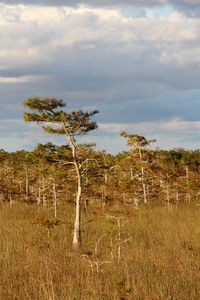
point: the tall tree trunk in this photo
(55, 198)
(27, 185)
(77, 233)
(187, 180)
(142, 171)
(86, 183)
(39, 195)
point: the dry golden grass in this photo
(159, 254)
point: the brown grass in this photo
(160, 258)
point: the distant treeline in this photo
(46, 175)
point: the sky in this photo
(137, 62)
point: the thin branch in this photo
(87, 222)
(96, 247)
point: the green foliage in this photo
(45, 111)
(136, 140)
(110, 228)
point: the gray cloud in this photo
(94, 3)
(134, 70)
(190, 8)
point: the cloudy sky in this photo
(137, 62)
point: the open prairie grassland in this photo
(149, 253)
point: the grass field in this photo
(149, 253)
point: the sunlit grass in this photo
(159, 254)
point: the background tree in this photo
(139, 143)
(72, 124)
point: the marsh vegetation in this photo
(159, 258)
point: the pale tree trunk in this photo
(144, 192)
(39, 195)
(131, 173)
(106, 176)
(55, 199)
(11, 202)
(142, 171)
(103, 196)
(187, 179)
(44, 201)
(39, 198)
(77, 234)
(177, 194)
(86, 184)
(27, 184)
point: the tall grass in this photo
(159, 258)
